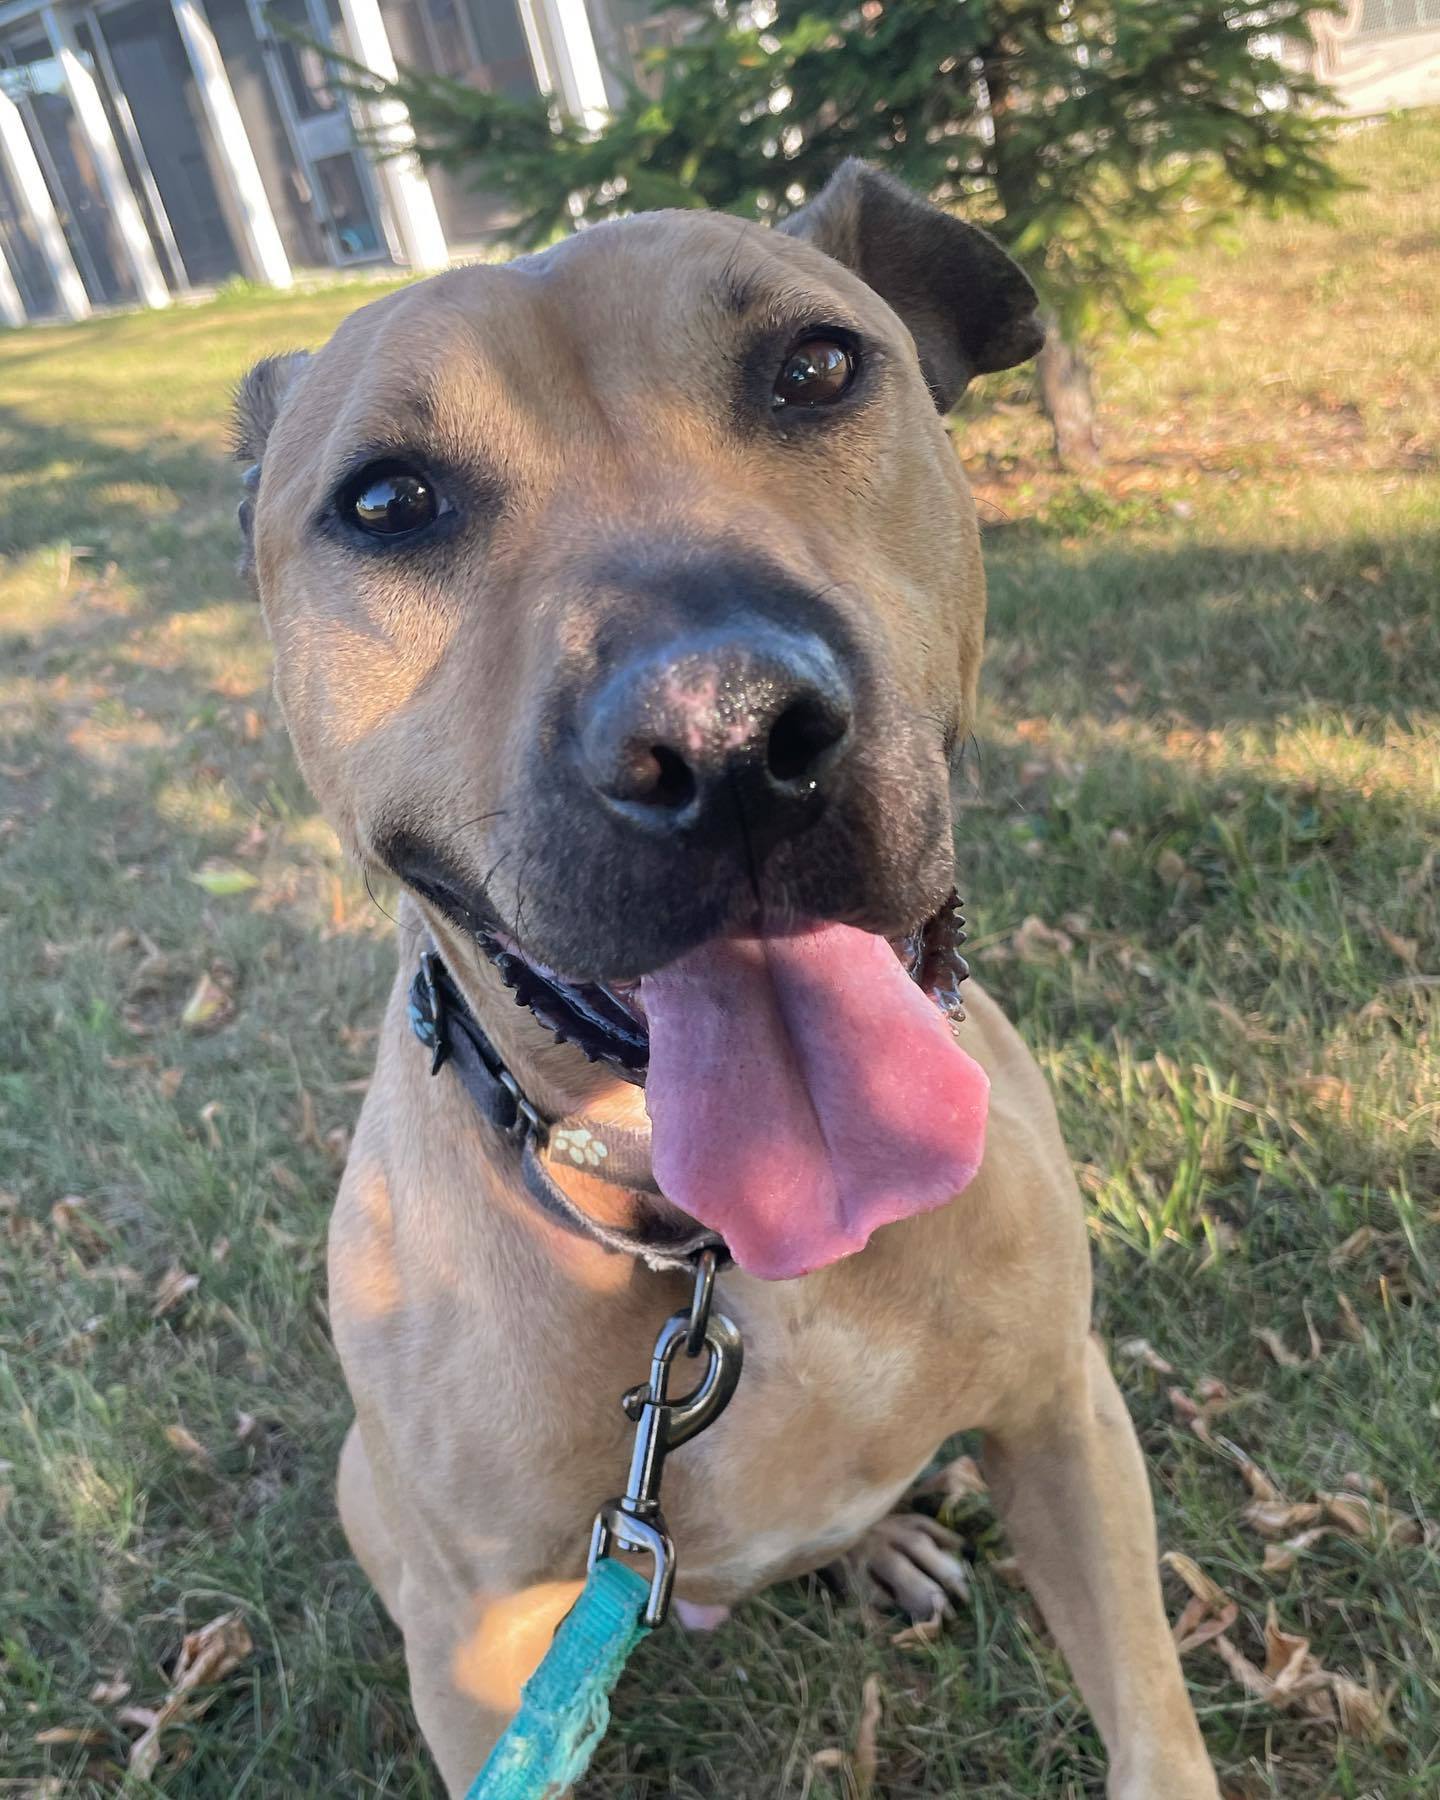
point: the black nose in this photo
(742, 729)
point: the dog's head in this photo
(628, 597)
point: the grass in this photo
(1200, 855)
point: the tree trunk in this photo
(1069, 400)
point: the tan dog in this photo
(627, 604)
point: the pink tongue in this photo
(802, 1092)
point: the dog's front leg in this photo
(468, 1658)
(1071, 1488)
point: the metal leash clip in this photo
(635, 1521)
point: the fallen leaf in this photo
(1277, 1518)
(109, 1693)
(1278, 1348)
(187, 1444)
(1279, 1558)
(1254, 1477)
(1362, 1712)
(1189, 1412)
(168, 1082)
(865, 1758)
(923, 1631)
(224, 879)
(1407, 949)
(209, 1007)
(171, 1289)
(206, 1656)
(71, 1220)
(1199, 1583)
(1350, 1321)
(209, 1112)
(1359, 1242)
(1292, 1680)
(1142, 1351)
(1199, 1624)
(1364, 1517)
(72, 1734)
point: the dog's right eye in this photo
(390, 500)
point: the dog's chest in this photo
(829, 1426)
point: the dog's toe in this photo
(915, 1563)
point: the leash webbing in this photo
(565, 1705)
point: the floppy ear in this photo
(257, 404)
(970, 309)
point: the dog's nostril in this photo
(673, 781)
(800, 737)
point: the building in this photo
(1380, 56)
(149, 147)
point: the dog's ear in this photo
(969, 308)
(258, 400)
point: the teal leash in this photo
(565, 1705)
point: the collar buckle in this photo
(527, 1122)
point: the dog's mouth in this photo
(607, 1022)
(803, 1088)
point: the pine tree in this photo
(1089, 135)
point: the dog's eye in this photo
(816, 372)
(390, 500)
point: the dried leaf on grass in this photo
(188, 1445)
(1293, 1680)
(1254, 1477)
(171, 1289)
(1357, 1515)
(1209, 1610)
(1279, 1349)
(866, 1759)
(224, 879)
(1280, 1558)
(1361, 1240)
(211, 1004)
(1214, 1398)
(923, 1631)
(1141, 1350)
(206, 1656)
(89, 1735)
(1199, 1583)
(1198, 1625)
(860, 1764)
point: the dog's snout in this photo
(745, 727)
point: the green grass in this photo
(1209, 755)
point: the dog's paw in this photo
(913, 1562)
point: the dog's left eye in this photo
(817, 371)
(390, 500)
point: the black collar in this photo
(441, 1018)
